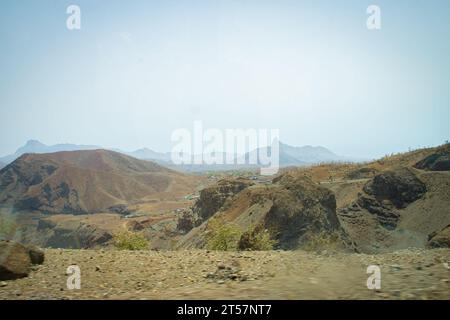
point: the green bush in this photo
(222, 236)
(257, 239)
(127, 240)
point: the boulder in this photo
(36, 255)
(16, 259)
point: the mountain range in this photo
(289, 155)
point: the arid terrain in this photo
(202, 274)
(308, 233)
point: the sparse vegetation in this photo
(228, 236)
(258, 240)
(128, 240)
(322, 241)
(223, 236)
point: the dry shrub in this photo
(228, 236)
(258, 239)
(222, 236)
(128, 240)
(323, 241)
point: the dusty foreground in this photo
(199, 274)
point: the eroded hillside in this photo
(87, 181)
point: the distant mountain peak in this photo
(31, 143)
(34, 144)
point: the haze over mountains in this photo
(289, 155)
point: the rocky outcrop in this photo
(361, 173)
(139, 225)
(213, 198)
(438, 161)
(300, 209)
(16, 259)
(210, 201)
(187, 221)
(386, 193)
(399, 186)
(120, 209)
(292, 209)
(440, 239)
(73, 234)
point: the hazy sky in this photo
(137, 70)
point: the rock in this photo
(439, 161)
(15, 260)
(120, 209)
(214, 197)
(361, 173)
(385, 194)
(228, 271)
(299, 209)
(399, 186)
(440, 239)
(210, 201)
(135, 225)
(77, 235)
(36, 255)
(187, 221)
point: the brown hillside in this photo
(87, 181)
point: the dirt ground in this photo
(201, 274)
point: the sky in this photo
(138, 70)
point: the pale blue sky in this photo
(137, 70)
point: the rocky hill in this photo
(397, 202)
(379, 206)
(398, 209)
(86, 182)
(293, 209)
